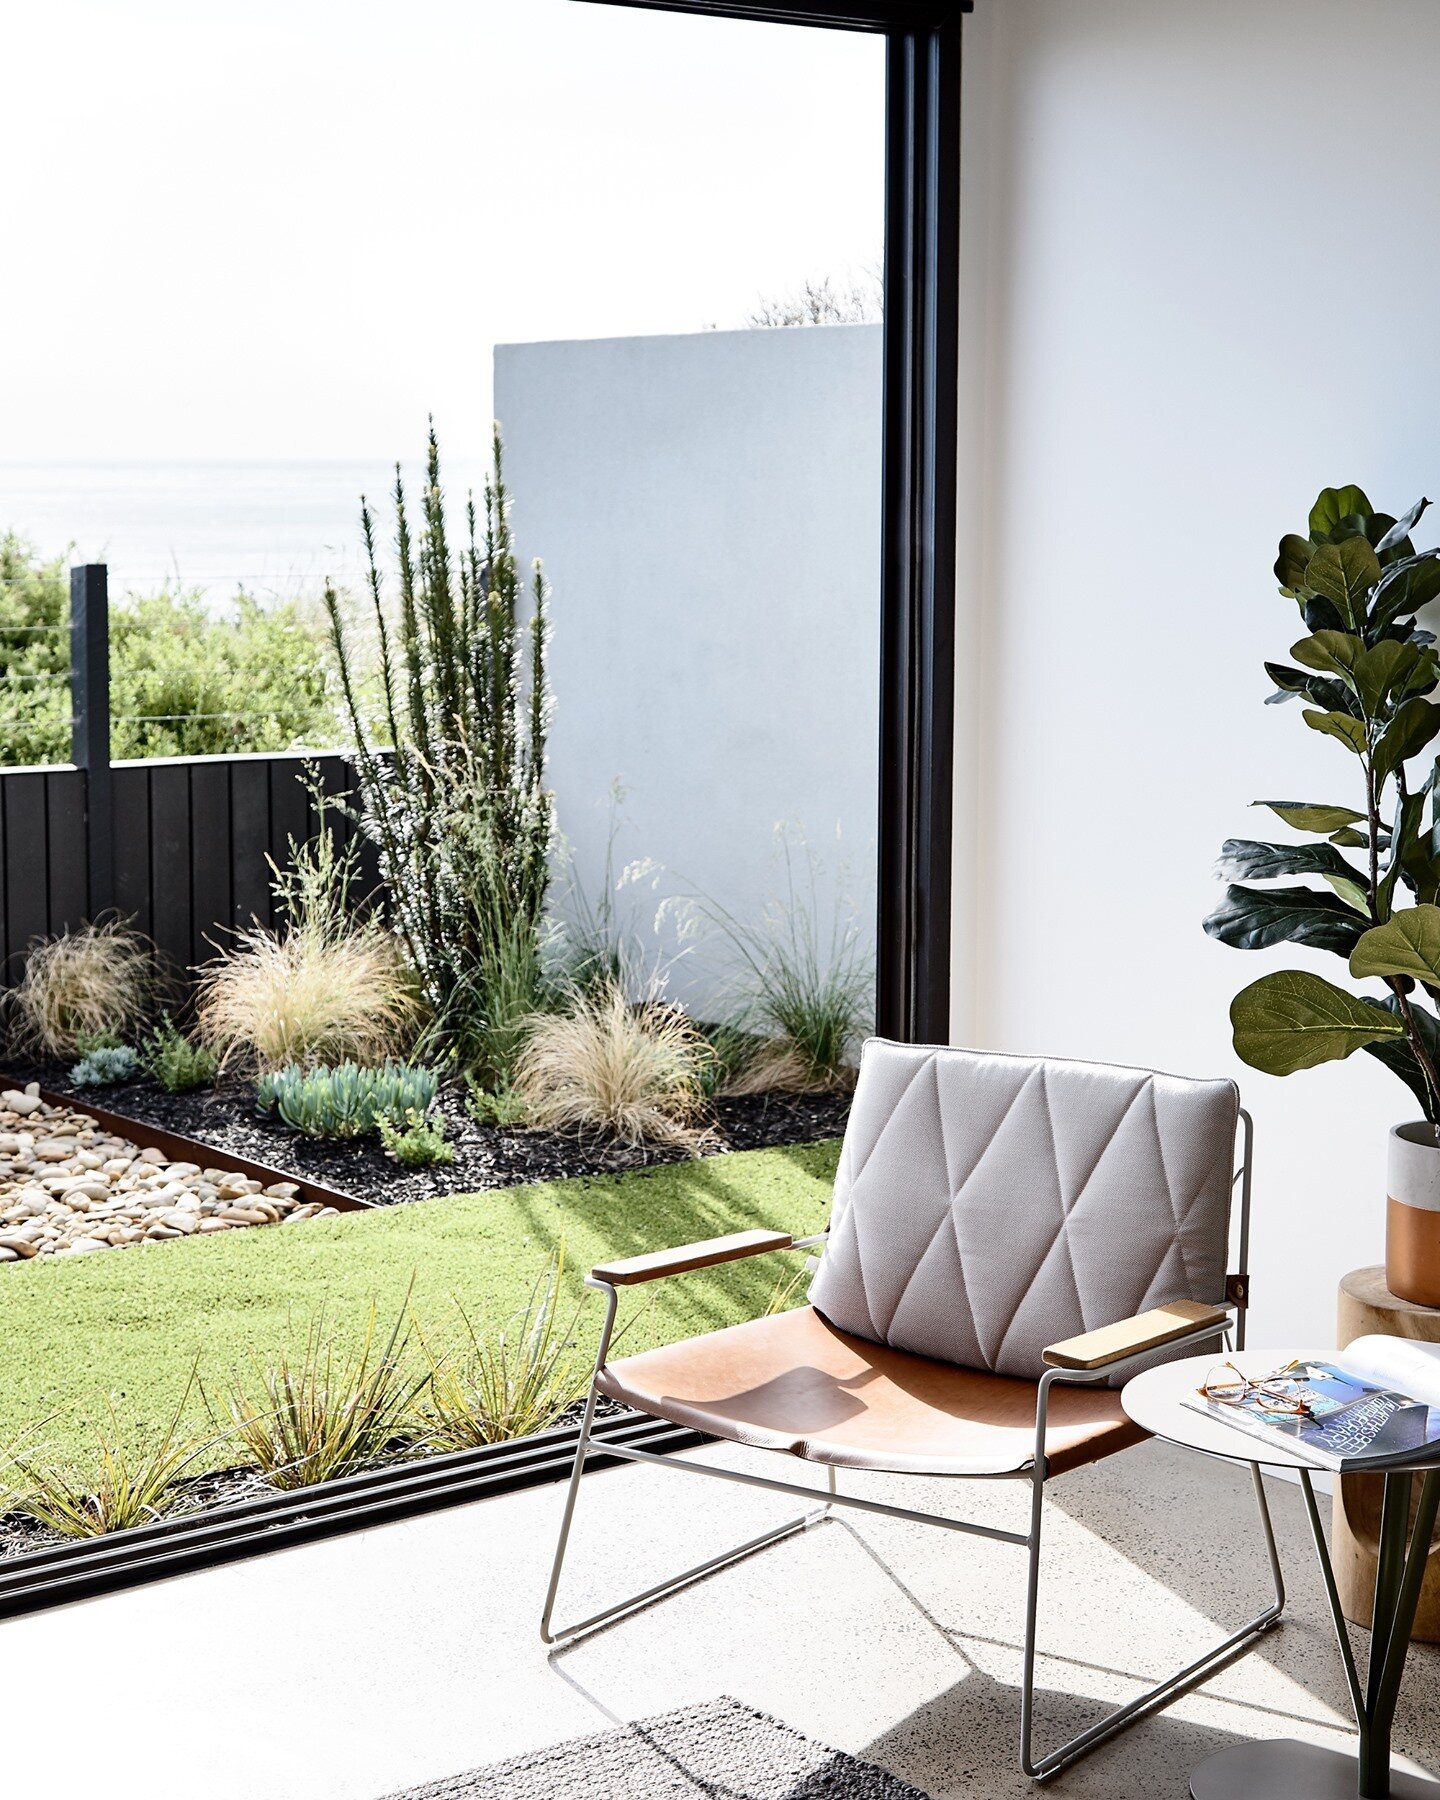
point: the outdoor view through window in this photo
(473, 923)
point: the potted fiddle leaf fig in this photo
(1365, 674)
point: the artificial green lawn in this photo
(121, 1331)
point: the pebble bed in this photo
(68, 1187)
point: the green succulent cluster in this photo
(1366, 674)
(347, 1101)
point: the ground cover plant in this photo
(452, 771)
(418, 1140)
(105, 1066)
(1367, 676)
(123, 1331)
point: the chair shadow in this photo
(966, 1741)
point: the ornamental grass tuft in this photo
(90, 986)
(634, 1072)
(122, 1490)
(315, 1419)
(512, 1383)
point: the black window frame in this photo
(918, 508)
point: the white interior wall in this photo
(708, 511)
(1200, 281)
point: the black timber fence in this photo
(179, 845)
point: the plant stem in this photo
(1422, 1055)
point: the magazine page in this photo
(1395, 1362)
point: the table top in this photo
(1153, 1400)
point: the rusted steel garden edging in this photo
(205, 1156)
(274, 1521)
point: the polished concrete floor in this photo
(345, 1670)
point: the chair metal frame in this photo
(1040, 1767)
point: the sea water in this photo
(273, 528)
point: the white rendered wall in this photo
(708, 511)
(1201, 283)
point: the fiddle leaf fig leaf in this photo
(1294, 1020)
(1407, 944)
(1414, 726)
(1350, 839)
(1331, 652)
(1402, 528)
(1353, 891)
(1323, 615)
(1373, 674)
(1245, 860)
(1344, 574)
(1290, 565)
(1307, 815)
(1405, 587)
(1334, 504)
(1257, 918)
(1349, 730)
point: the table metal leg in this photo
(1296, 1771)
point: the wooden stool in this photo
(1366, 1305)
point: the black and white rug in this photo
(722, 1751)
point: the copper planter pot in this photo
(1412, 1219)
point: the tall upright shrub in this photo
(458, 807)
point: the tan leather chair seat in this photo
(794, 1382)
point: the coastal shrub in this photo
(105, 1067)
(416, 1141)
(318, 1417)
(347, 1101)
(170, 1058)
(85, 989)
(633, 1072)
(451, 763)
(188, 677)
(515, 1382)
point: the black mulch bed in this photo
(486, 1156)
(197, 1494)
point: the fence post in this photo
(90, 724)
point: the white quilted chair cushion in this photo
(986, 1206)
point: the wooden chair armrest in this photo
(705, 1255)
(1129, 1337)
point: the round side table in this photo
(1366, 1305)
(1288, 1769)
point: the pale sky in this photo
(289, 230)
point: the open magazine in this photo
(1376, 1401)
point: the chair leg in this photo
(1042, 1768)
(567, 1634)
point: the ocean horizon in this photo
(278, 529)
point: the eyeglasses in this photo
(1277, 1393)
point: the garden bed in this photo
(486, 1156)
(231, 1514)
